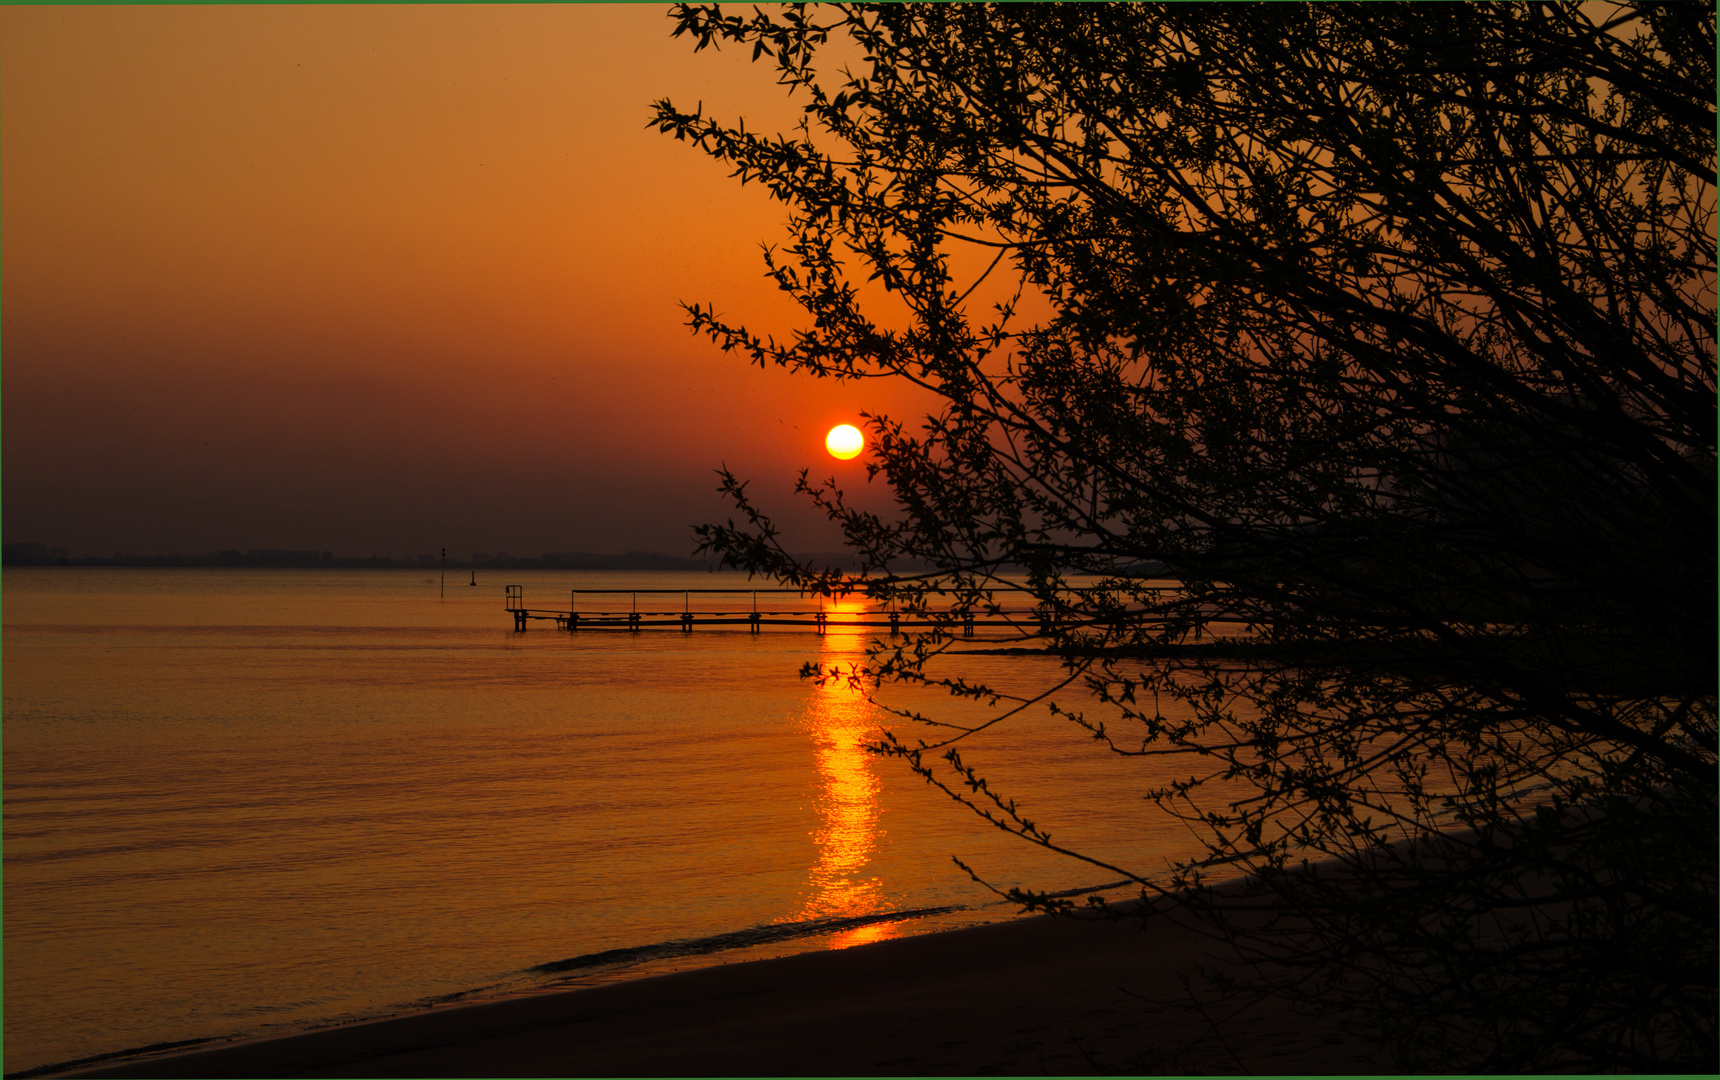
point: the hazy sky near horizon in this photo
(385, 279)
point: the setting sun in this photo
(844, 442)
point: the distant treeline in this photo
(35, 554)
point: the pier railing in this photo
(756, 609)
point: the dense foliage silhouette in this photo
(1388, 333)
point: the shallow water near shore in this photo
(247, 802)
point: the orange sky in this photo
(383, 279)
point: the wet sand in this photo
(1029, 997)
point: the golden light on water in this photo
(841, 721)
(844, 442)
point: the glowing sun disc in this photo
(844, 442)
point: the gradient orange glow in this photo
(384, 278)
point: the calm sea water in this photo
(248, 802)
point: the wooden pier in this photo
(740, 608)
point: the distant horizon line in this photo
(33, 553)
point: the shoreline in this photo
(1037, 995)
(585, 971)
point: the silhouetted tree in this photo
(1390, 331)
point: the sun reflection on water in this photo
(841, 721)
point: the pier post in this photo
(895, 623)
(821, 622)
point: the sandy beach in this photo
(1036, 996)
